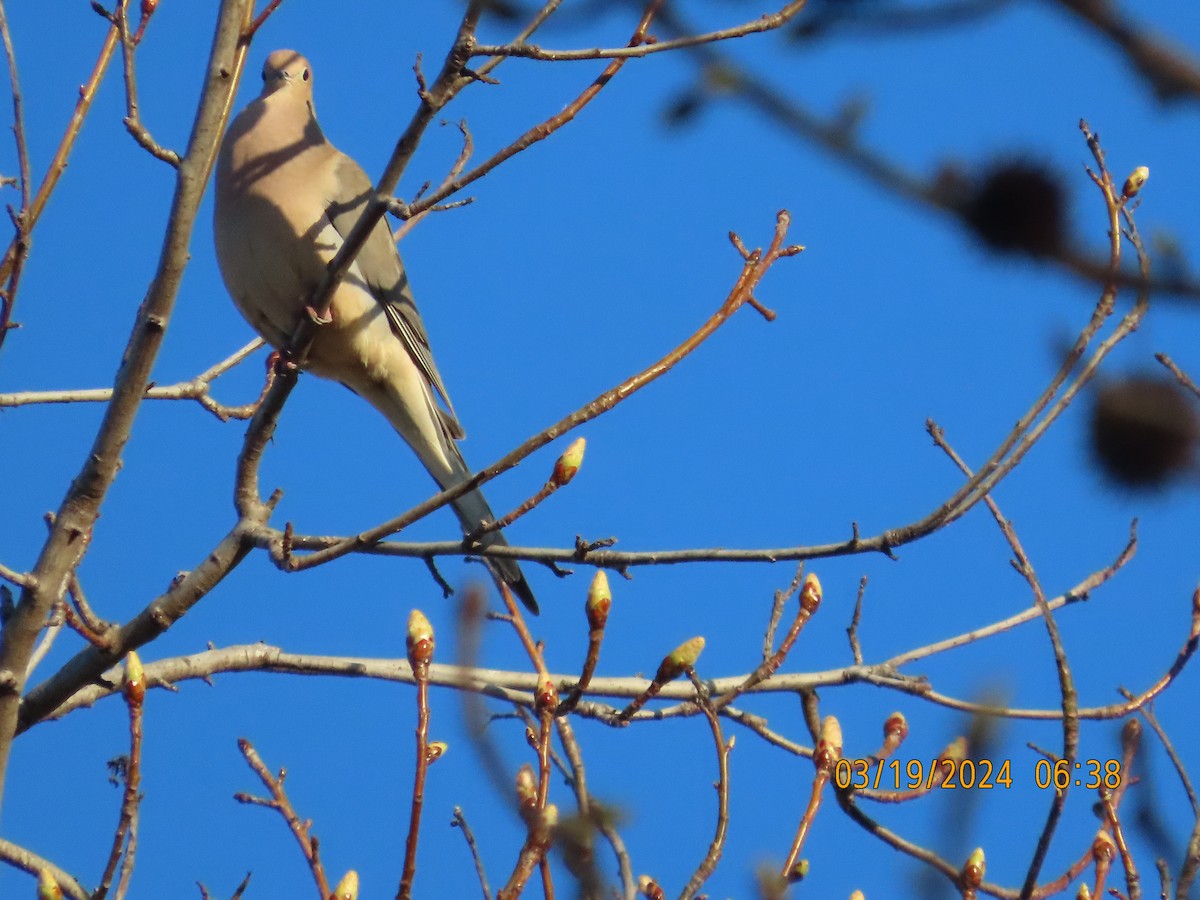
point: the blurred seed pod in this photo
(1019, 206)
(1144, 431)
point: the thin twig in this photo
(133, 120)
(464, 155)
(460, 822)
(420, 643)
(855, 620)
(1132, 878)
(595, 816)
(1070, 697)
(538, 132)
(125, 834)
(1181, 376)
(22, 219)
(198, 389)
(825, 758)
(565, 469)
(777, 605)
(1147, 712)
(767, 22)
(598, 606)
(12, 576)
(810, 601)
(300, 829)
(18, 110)
(262, 18)
(708, 865)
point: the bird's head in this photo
(287, 70)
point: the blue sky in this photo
(580, 261)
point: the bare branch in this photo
(708, 865)
(767, 22)
(18, 856)
(18, 248)
(460, 822)
(68, 541)
(133, 120)
(198, 389)
(282, 804)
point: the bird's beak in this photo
(273, 80)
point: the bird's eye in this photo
(305, 75)
(264, 74)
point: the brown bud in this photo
(347, 888)
(546, 698)
(134, 683)
(47, 887)
(419, 641)
(568, 464)
(527, 786)
(810, 593)
(974, 869)
(546, 822)
(895, 729)
(434, 751)
(599, 601)
(1084, 892)
(679, 660)
(829, 746)
(1135, 182)
(649, 888)
(1103, 847)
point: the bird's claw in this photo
(318, 317)
(281, 363)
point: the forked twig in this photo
(301, 829)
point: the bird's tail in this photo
(431, 433)
(473, 510)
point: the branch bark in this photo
(77, 515)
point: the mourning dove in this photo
(286, 200)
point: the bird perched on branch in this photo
(286, 201)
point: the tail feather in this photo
(473, 510)
(431, 433)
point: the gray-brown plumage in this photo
(285, 200)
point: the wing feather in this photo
(381, 268)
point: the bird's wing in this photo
(381, 268)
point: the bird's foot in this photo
(281, 363)
(320, 317)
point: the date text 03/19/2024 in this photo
(968, 774)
